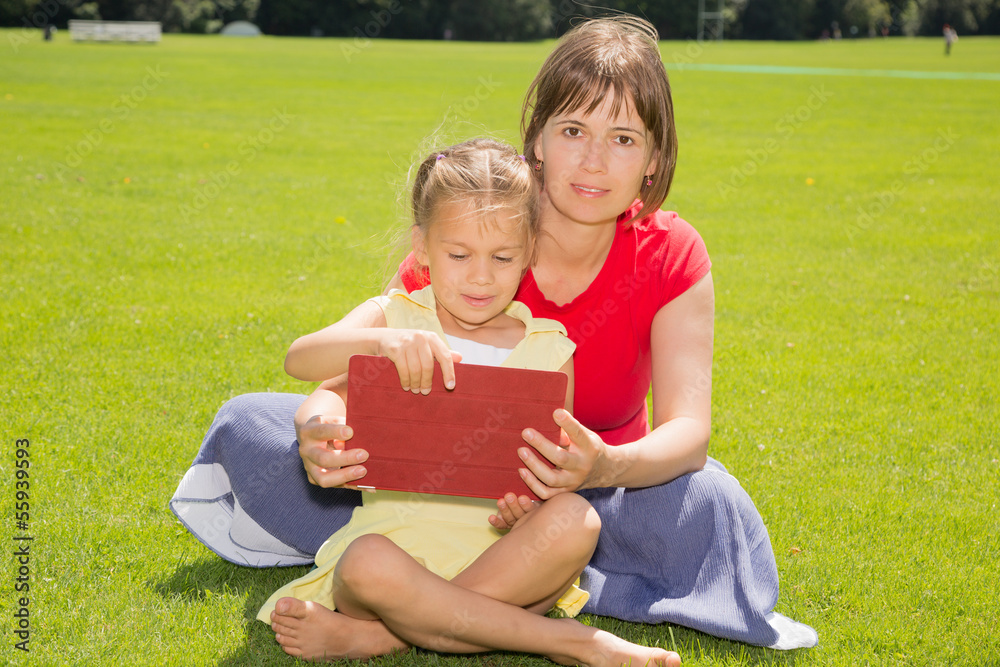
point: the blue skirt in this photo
(693, 552)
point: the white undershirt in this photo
(472, 352)
(478, 353)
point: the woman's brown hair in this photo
(617, 56)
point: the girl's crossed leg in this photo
(387, 601)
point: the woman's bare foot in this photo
(312, 632)
(609, 650)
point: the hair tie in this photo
(523, 159)
(440, 155)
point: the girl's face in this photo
(475, 265)
(594, 164)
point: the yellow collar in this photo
(425, 299)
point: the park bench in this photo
(115, 31)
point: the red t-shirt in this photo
(651, 262)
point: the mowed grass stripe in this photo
(834, 71)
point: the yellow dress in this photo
(445, 534)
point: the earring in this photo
(649, 181)
(538, 166)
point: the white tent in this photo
(241, 29)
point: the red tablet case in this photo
(461, 442)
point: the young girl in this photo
(431, 570)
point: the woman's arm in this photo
(681, 339)
(396, 282)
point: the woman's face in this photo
(594, 164)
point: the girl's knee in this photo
(368, 563)
(571, 517)
(573, 505)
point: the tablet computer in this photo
(460, 442)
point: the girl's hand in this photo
(510, 510)
(324, 453)
(580, 459)
(414, 351)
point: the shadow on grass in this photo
(211, 576)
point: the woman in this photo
(680, 541)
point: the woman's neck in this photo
(573, 246)
(570, 255)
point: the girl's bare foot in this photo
(312, 632)
(612, 651)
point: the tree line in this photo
(525, 20)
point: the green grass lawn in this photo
(173, 216)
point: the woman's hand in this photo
(580, 459)
(413, 352)
(324, 452)
(510, 510)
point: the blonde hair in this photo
(618, 56)
(485, 173)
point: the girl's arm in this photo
(325, 354)
(321, 432)
(319, 421)
(328, 400)
(682, 335)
